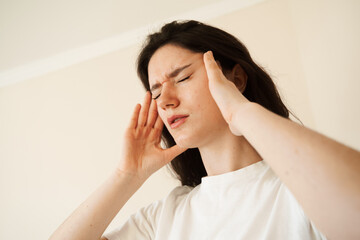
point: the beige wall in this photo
(328, 36)
(60, 134)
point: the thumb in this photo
(173, 152)
(213, 70)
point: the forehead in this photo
(168, 58)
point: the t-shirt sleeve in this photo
(316, 234)
(310, 226)
(140, 225)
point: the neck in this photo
(228, 153)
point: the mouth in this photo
(177, 120)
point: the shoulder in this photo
(177, 194)
(156, 210)
(172, 198)
(298, 211)
(180, 191)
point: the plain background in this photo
(61, 133)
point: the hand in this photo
(226, 95)
(142, 152)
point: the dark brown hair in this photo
(229, 51)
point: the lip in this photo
(177, 123)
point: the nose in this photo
(168, 97)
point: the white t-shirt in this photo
(249, 203)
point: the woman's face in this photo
(179, 83)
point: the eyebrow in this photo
(173, 74)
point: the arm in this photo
(142, 155)
(323, 174)
(92, 217)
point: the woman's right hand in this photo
(142, 154)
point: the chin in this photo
(186, 142)
(183, 143)
(191, 137)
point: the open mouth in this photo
(177, 122)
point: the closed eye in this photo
(176, 82)
(183, 79)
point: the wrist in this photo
(243, 113)
(130, 178)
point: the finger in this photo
(159, 124)
(152, 114)
(158, 127)
(135, 116)
(144, 110)
(173, 152)
(212, 68)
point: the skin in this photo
(322, 174)
(205, 128)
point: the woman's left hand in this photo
(225, 93)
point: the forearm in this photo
(92, 217)
(322, 174)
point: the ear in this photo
(239, 77)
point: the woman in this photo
(247, 171)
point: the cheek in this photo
(207, 106)
(162, 115)
(201, 97)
